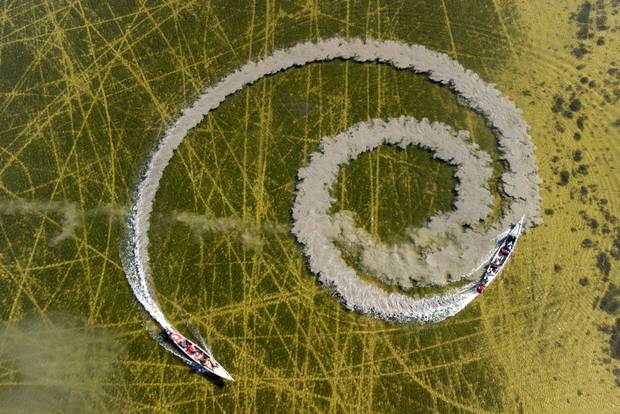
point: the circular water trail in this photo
(317, 230)
(520, 181)
(402, 262)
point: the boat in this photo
(203, 359)
(501, 256)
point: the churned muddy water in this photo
(87, 91)
(57, 364)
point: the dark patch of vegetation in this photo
(575, 105)
(592, 223)
(610, 302)
(584, 281)
(582, 169)
(614, 343)
(576, 136)
(580, 51)
(603, 264)
(549, 211)
(577, 156)
(600, 41)
(616, 373)
(587, 243)
(557, 268)
(558, 104)
(615, 247)
(583, 20)
(580, 122)
(564, 177)
(609, 218)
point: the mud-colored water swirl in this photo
(464, 250)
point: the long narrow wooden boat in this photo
(501, 256)
(203, 359)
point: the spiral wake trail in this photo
(311, 223)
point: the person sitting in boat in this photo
(510, 240)
(176, 338)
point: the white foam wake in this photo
(520, 182)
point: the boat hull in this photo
(203, 359)
(501, 256)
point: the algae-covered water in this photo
(87, 90)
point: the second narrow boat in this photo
(501, 256)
